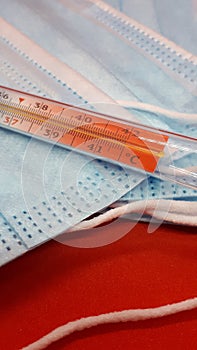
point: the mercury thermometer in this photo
(128, 144)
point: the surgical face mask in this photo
(52, 189)
(40, 73)
(163, 17)
(46, 189)
(142, 56)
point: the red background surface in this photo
(54, 284)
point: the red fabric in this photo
(54, 284)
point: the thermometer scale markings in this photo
(81, 129)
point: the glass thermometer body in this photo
(99, 135)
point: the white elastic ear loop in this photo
(181, 212)
(112, 317)
(158, 110)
